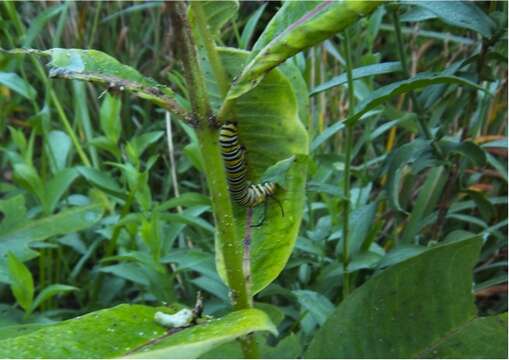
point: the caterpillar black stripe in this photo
(234, 158)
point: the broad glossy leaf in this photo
(290, 12)
(484, 337)
(422, 80)
(11, 331)
(271, 131)
(197, 340)
(17, 84)
(409, 310)
(288, 348)
(358, 73)
(323, 21)
(96, 66)
(105, 333)
(462, 14)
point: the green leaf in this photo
(484, 337)
(429, 195)
(192, 260)
(151, 234)
(326, 134)
(37, 24)
(17, 232)
(417, 14)
(186, 199)
(322, 22)
(22, 283)
(26, 175)
(12, 331)
(277, 172)
(271, 131)
(399, 254)
(250, 27)
(197, 340)
(103, 143)
(288, 348)
(60, 145)
(462, 14)
(128, 271)
(358, 73)
(105, 333)
(102, 180)
(410, 309)
(421, 80)
(48, 293)
(142, 142)
(361, 221)
(290, 12)
(110, 117)
(96, 66)
(318, 305)
(17, 84)
(217, 14)
(408, 153)
(468, 149)
(57, 187)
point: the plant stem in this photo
(402, 56)
(230, 245)
(69, 129)
(346, 176)
(210, 47)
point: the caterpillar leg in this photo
(279, 203)
(265, 205)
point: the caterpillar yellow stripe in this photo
(235, 163)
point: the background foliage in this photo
(104, 200)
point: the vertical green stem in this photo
(214, 167)
(210, 47)
(229, 243)
(402, 56)
(346, 177)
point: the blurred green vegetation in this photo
(109, 203)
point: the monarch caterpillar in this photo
(235, 162)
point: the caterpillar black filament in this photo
(233, 154)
